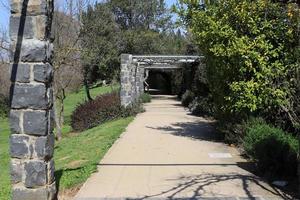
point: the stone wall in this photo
(32, 139)
(132, 80)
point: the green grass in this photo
(77, 157)
(5, 188)
(74, 99)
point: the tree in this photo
(67, 63)
(252, 52)
(114, 27)
(101, 44)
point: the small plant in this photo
(187, 98)
(145, 98)
(104, 108)
(274, 150)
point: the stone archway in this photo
(32, 138)
(134, 68)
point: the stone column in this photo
(133, 83)
(126, 93)
(32, 139)
(142, 77)
(139, 81)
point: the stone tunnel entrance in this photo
(159, 81)
(141, 72)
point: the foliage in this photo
(252, 53)
(274, 150)
(101, 43)
(76, 98)
(202, 106)
(145, 98)
(187, 98)
(76, 157)
(113, 27)
(104, 108)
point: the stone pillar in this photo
(32, 139)
(133, 83)
(139, 81)
(126, 93)
(142, 77)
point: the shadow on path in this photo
(194, 130)
(199, 184)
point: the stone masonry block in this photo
(43, 73)
(44, 147)
(14, 118)
(31, 50)
(20, 73)
(16, 170)
(30, 96)
(35, 173)
(36, 123)
(51, 170)
(32, 27)
(34, 7)
(23, 193)
(126, 58)
(26, 26)
(20, 147)
(52, 191)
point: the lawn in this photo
(76, 156)
(4, 160)
(74, 99)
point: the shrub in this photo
(251, 50)
(145, 98)
(4, 106)
(102, 109)
(187, 98)
(274, 150)
(201, 106)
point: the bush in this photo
(4, 106)
(145, 98)
(274, 150)
(201, 106)
(102, 109)
(252, 55)
(187, 98)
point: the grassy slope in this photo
(4, 159)
(74, 99)
(76, 157)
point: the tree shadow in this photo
(199, 183)
(199, 130)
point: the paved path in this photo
(167, 153)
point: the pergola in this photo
(163, 61)
(135, 70)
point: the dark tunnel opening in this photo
(160, 82)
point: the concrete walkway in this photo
(168, 154)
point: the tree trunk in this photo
(87, 89)
(58, 124)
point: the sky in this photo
(4, 12)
